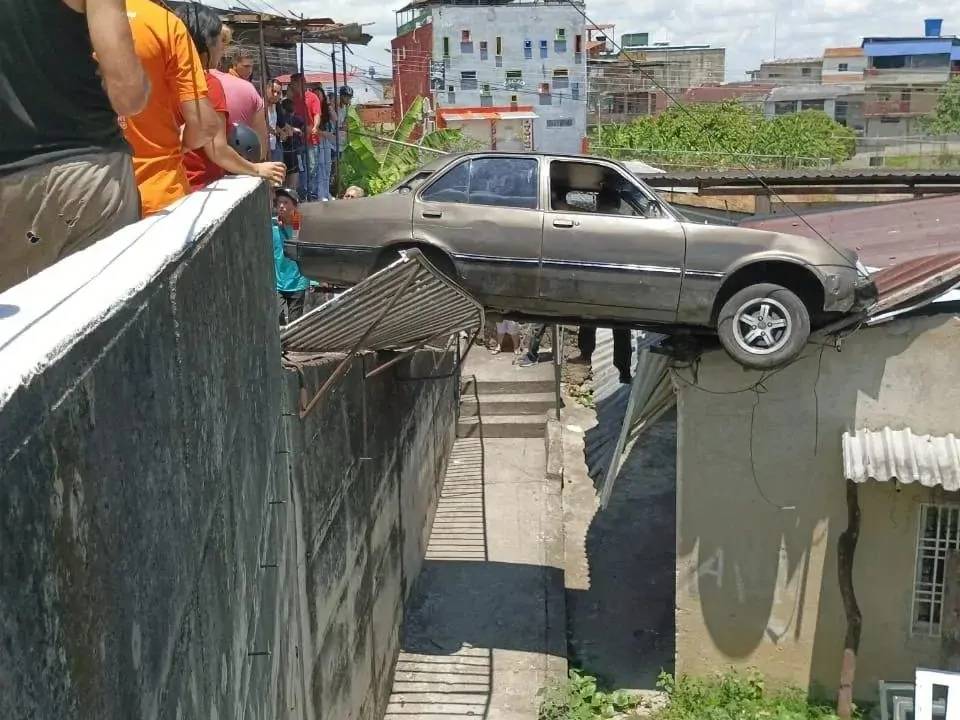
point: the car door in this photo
(485, 212)
(626, 263)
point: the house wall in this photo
(757, 539)
(515, 23)
(411, 67)
(790, 73)
(176, 542)
(832, 74)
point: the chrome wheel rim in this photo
(762, 326)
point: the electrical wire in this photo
(683, 108)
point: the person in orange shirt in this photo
(178, 116)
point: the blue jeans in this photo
(316, 183)
(323, 173)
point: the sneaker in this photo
(527, 361)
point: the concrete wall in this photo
(175, 542)
(757, 571)
(514, 24)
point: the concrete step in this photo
(515, 404)
(472, 387)
(503, 426)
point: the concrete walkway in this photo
(485, 625)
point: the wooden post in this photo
(846, 547)
(336, 123)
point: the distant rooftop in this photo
(843, 52)
(486, 3)
(792, 61)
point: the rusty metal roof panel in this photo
(882, 234)
(914, 281)
(902, 456)
(408, 304)
(802, 176)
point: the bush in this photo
(735, 696)
(578, 698)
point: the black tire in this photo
(782, 306)
(435, 257)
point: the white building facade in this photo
(525, 60)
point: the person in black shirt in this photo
(66, 175)
(292, 128)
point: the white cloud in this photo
(744, 27)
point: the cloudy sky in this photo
(748, 29)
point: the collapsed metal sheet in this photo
(405, 305)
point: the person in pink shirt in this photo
(244, 105)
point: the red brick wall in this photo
(411, 70)
(375, 114)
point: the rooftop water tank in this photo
(932, 26)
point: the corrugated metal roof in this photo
(908, 283)
(882, 47)
(883, 234)
(843, 52)
(836, 176)
(900, 455)
(610, 440)
(405, 305)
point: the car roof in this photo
(445, 160)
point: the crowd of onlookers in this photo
(134, 107)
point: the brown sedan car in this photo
(581, 239)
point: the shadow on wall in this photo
(761, 502)
(622, 628)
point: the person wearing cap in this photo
(292, 286)
(218, 157)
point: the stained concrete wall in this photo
(174, 541)
(757, 539)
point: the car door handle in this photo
(432, 213)
(563, 223)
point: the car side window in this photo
(452, 186)
(504, 182)
(495, 181)
(581, 187)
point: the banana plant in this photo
(376, 170)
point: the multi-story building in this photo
(903, 79)
(641, 78)
(789, 71)
(844, 66)
(843, 103)
(511, 75)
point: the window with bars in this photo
(468, 80)
(938, 536)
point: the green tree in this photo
(945, 118)
(725, 134)
(376, 169)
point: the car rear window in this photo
(496, 181)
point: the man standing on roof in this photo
(66, 176)
(178, 117)
(307, 105)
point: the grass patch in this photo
(736, 696)
(579, 698)
(731, 696)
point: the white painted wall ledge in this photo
(44, 316)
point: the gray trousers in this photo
(53, 210)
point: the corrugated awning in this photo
(900, 455)
(460, 114)
(403, 307)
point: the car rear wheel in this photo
(763, 326)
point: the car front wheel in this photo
(763, 326)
